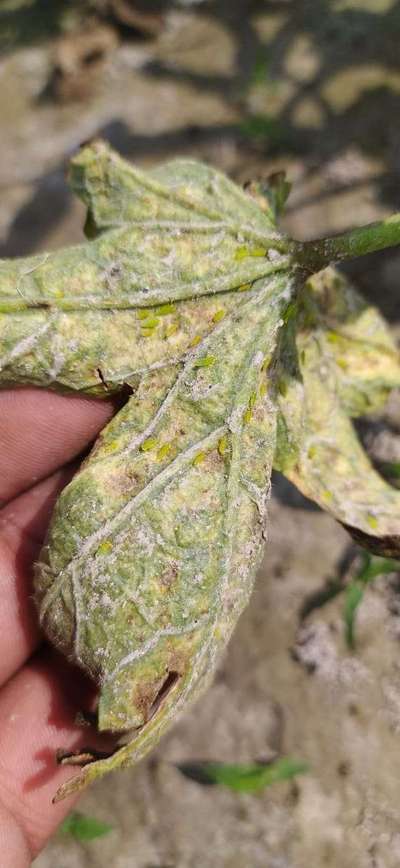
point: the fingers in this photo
(23, 524)
(40, 431)
(37, 716)
(13, 844)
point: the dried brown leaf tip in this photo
(190, 294)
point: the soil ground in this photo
(250, 87)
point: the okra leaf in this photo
(104, 313)
(181, 191)
(319, 451)
(153, 546)
(355, 339)
(188, 293)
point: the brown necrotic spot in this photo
(168, 684)
(100, 375)
(82, 757)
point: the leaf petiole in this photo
(314, 255)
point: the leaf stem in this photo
(314, 255)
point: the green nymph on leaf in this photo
(236, 363)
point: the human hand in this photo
(40, 436)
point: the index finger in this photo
(41, 431)
(38, 709)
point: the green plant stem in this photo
(314, 255)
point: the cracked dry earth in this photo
(288, 683)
